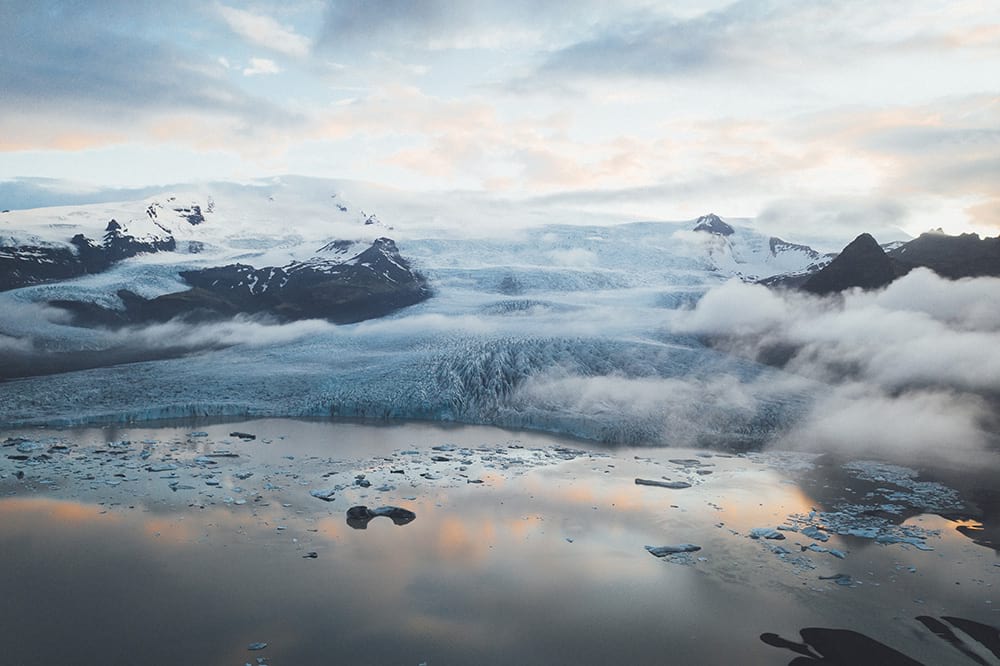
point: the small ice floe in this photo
(816, 548)
(198, 433)
(242, 435)
(664, 551)
(766, 533)
(325, 495)
(29, 447)
(163, 467)
(257, 646)
(675, 485)
(839, 579)
(311, 555)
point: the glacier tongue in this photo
(559, 328)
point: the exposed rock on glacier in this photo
(22, 265)
(370, 284)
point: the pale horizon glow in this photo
(818, 118)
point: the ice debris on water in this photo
(814, 532)
(927, 495)
(257, 646)
(766, 533)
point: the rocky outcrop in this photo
(371, 284)
(954, 257)
(24, 265)
(862, 263)
(713, 224)
(866, 264)
(358, 517)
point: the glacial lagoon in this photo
(191, 542)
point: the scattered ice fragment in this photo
(311, 555)
(198, 433)
(242, 435)
(814, 532)
(766, 533)
(916, 542)
(257, 646)
(325, 495)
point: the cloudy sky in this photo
(848, 114)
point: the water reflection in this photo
(536, 568)
(840, 647)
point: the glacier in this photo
(565, 328)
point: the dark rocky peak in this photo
(862, 263)
(374, 283)
(384, 259)
(713, 224)
(966, 255)
(119, 244)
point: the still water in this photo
(526, 549)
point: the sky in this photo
(836, 115)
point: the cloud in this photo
(916, 426)
(910, 367)
(13, 345)
(439, 24)
(264, 31)
(261, 66)
(82, 75)
(818, 221)
(946, 148)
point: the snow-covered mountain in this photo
(557, 326)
